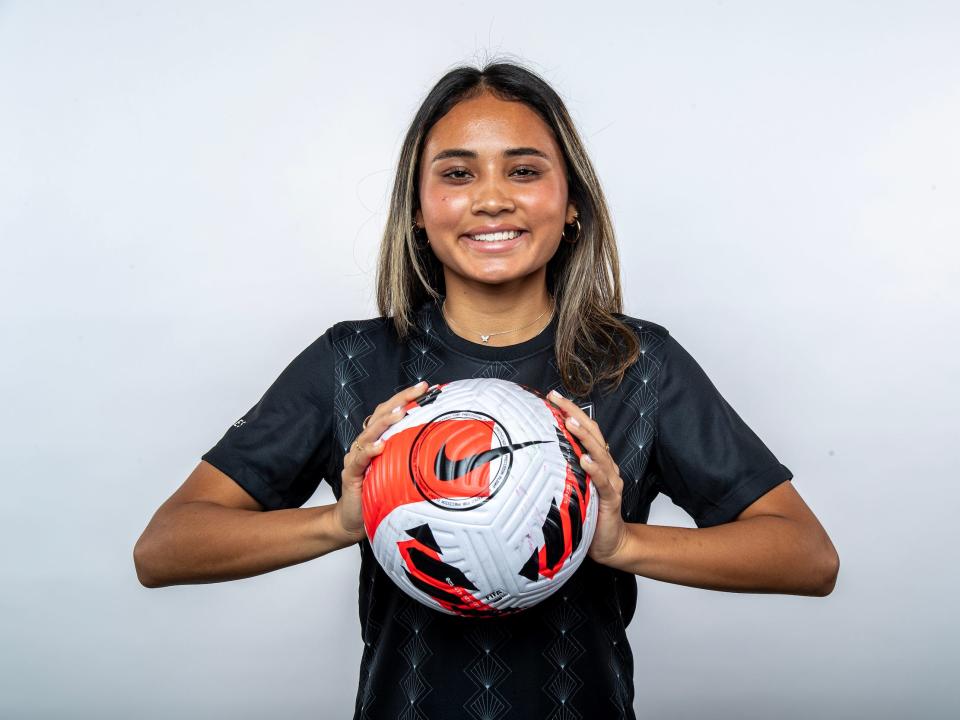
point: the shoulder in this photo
(642, 325)
(350, 338)
(651, 336)
(353, 339)
(659, 346)
(381, 331)
(372, 331)
(367, 326)
(421, 323)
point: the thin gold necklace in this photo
(486, 338)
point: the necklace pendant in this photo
(485, 338)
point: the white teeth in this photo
(498, 236)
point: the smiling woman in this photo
(498, 260)
(496, 151)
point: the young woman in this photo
(498, 260)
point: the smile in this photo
(497, 236)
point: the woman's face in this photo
(493, 191)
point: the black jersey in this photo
(668, 428)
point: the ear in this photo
(571, 213)
(418, 217)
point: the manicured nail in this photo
(397, 409)
(421, 384)
(378, 444)
(586, 458)
(573, 421)
(554, 393)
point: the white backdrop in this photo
(190, 193)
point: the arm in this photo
(211, 530)
(776, 545)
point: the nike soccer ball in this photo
(477, 505)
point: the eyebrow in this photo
(509, 152)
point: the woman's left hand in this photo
(611, 531)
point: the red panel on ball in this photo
(387, 483)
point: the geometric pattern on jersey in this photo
(424, 351)
(348, 371)
(423, 363)
(640, 394)
(564, 619)
(414, 685)
(497, 369)
(365, 692)
(621, 656)
(487, 671)
(370, 631)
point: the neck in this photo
(513, 309)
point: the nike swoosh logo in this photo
(447, 469)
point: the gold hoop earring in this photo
(564, 233)
(413, 231)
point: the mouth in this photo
(497, 236)
(495, 242)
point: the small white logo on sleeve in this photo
(240, 422)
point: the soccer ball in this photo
(477, 505)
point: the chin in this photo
(499, 277)
(492, 271)
(492, 278)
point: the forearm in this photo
(202, 542)
(759, 554)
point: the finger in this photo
(594, 456)
(608, 482)
(356, 461)
(571, 408)
(402, 398)
(593, 444)
(368, 443)
(579, 418)
(388, 412)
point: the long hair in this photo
(591, 344)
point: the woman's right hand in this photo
(348, 511)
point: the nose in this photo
(492, 196)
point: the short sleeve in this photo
(279, 451)
(711, 463)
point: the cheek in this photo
(546, 204)
(441, 208)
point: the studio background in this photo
(190, 193)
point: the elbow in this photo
(143, 564)
(828, 569)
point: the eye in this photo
(526, 171)
(457, 174)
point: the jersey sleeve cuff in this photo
(248, 479)
(742, 496)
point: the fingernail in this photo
(573, 421)
(397, 409)
(421, 384)
(378, 444)
(554, 393)
(586, 458)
